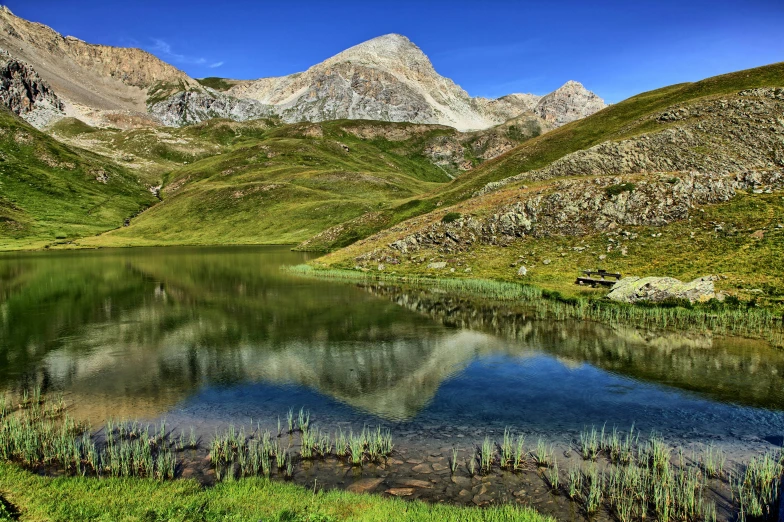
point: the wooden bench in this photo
(597, 278)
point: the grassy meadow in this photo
(52, 193)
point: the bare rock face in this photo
(196, 106)
(659, 289)
(84, 75)
(26, 94)
(726, 135)
(387, 78)
(570, 102)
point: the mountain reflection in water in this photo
(132, 333)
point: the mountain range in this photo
(387, 79)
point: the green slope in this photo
(630, 117)
(286, 184)
(50, 192)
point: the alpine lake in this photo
(218, 339)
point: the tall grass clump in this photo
(758, 489)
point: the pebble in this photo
(400, 492)
(422, 468)
(365, 485)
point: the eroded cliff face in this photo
(89, 79)
(26, 94)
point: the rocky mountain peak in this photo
(568, 103)
(389, 50)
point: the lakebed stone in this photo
(658, 289)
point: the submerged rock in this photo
(658, 289)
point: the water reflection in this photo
(134, 332)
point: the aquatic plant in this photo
(341, 444)
(303, 420)
(553, 476)
(486, 455)
(453, 460)
(574, 482)
(356, 447)
(713, 461)
(758, 489)
(594, 495)
(543, 453)
(519, 453)
(589, 443)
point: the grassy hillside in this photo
(738, 237)
(745, 251)
(53, 193)
(265, 182)
(628, 118)
(280, 184)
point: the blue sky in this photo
(490, 48)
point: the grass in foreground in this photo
(77, 498)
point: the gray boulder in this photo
(658, 289)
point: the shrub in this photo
(449, 217)
(614, 190)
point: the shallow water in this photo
(213, 336)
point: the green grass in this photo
(60, 499)
(280, 185)
(213, 82)
(49, 192)
(749, 267)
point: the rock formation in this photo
(660, 289)
(26, 94)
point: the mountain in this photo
(91, 80)
(387, 78)
(685, 181)
(568, 103)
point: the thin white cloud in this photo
(164, 50)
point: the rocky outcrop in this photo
(660, 289)
(568, 103)
(87, 77)
(577, 207)
(493, 142)
(724, 135)
(196, 106)
(26, 94)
